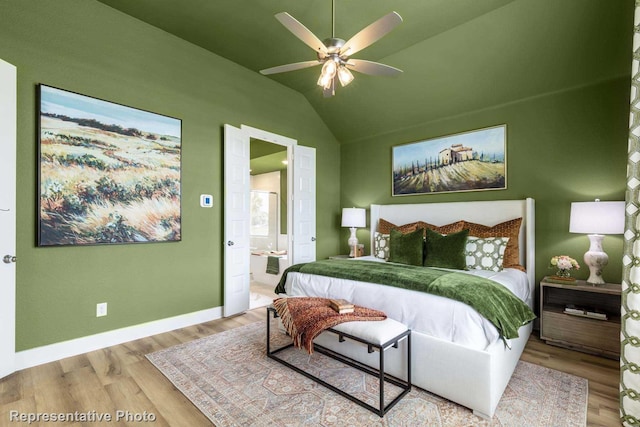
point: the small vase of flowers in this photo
(563, 265)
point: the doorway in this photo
(269, 240)
(300, 217)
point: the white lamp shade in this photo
(597, 217)
(354, 217)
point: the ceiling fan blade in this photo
(370, 34)
(372, 68)
(302, 32)
(290, 67)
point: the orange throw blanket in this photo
(305, 318)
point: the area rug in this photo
(229, 378)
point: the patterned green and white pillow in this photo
(381, 246)
(485, 253)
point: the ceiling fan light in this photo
(331, 84)
(330, 89)
(344, 75)
(324, 80)
(329, 70)
(330, 67)
(327, 83)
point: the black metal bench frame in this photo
(382, 376)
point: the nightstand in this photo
(581, 331)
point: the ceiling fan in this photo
(335, 54)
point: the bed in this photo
(471, 368)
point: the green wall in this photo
(561, 147)
(557, 73)
(89, 48)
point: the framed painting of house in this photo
(109, 174)
(468, 161)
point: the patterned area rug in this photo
(230, 379)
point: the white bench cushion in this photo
(373, 331)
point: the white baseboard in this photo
(49, 353)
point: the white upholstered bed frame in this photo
(473, 378)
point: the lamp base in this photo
(353, 242)
(596, 259)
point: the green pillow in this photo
(446, 251)
(407, 248)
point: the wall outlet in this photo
(101, 309)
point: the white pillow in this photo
(381, 246)
(485, 253)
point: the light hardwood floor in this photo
(120, 378)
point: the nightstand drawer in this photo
(598, 335)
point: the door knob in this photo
(313, 239)
(229, 243)
(8, 259)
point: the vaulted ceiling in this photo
(457, 55)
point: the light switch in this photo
(206, 200)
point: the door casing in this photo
(8, 125)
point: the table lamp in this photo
(596, 219)
(353, 218)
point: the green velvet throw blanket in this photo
(492, 300)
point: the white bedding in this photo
(422, 312)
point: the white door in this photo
(304, 204)
(7, 217)
(236, 222)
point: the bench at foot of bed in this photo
(376, 336)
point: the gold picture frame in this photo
(473, 160)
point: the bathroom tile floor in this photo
(260, 294)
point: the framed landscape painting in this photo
(469, 161)
(109, 174)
